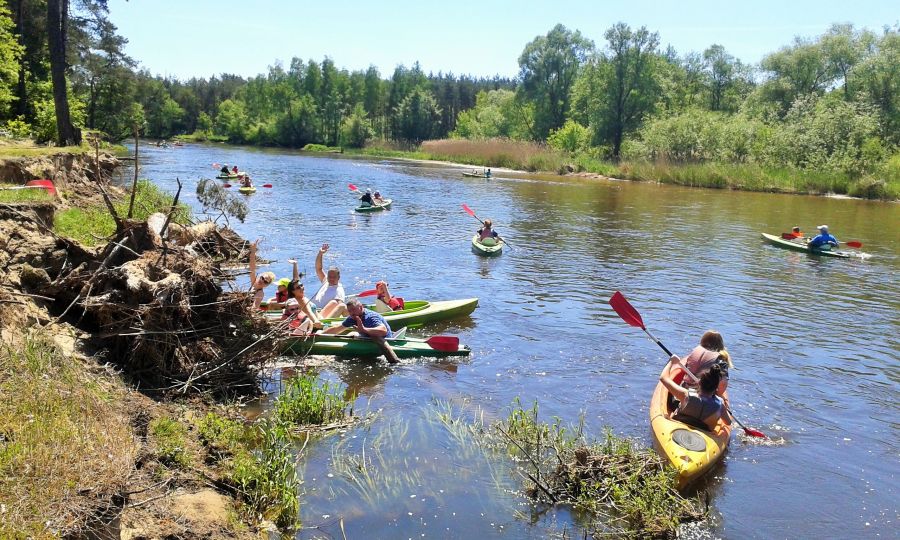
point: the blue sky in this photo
(184, 38)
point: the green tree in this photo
(548, 67)
(57, 23)
(727, 77)
(417, 116)
(878, 77)
(10, 56)
(232, 120)
(356, 129)
(572, 137)
(619, 88)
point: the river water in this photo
(815, 340)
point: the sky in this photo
(201, 38)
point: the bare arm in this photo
(665, 378)
(295, 275)
(320, 272)
(253, 263)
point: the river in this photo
(815, 340)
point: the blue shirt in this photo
(370, 319)
(822, 239)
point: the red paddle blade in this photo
(755, 433)
(625, 310)
(267, 185)
(370, 292)
(216, 165)
(443, 343)
(854, 244)
(468, 210)
(226, 185)
(352, 187)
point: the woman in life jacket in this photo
(701, 407)
(710, 351)
(394, 302)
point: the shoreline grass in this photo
(65, 446)
(532, 157)
(92, 226)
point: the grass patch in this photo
(23, 195)
(267, 477)
(200, 136)
(321, 148)
(64, 447)
(169, 438)
(221, 435)
(93, 226)
(305, 402)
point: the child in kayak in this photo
(234, 170)
(393, 302)
(377, 198)
(795, 233)
(700, 408)
(488, 233)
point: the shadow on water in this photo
(814, 340)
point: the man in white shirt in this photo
(329, 299)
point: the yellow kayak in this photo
(692, 451)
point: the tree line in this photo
(829, 102)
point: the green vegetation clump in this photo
(305, 402)
(221, 435)
(8, 195)
(64, 444)
(267, 477)
(320, 148)
(627, 488)
(93, 225)
(169, 438)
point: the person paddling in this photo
(696, 408)
(224, 169)
(368, 324)
(486, 232)
(366, 198)
(711, 351)
(823, 240)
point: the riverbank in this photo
(96, 438)
(500, 155)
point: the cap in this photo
(822, 227)
(368, 190)
(283, 282)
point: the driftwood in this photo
(165, 320)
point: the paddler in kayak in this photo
(391, 303)
(368, 324)
(299, 307)
(258, 284)
(796, 234)
(329, 299)
(486, 232)
(711, 351)
(245, 181)
(823, 240)
(224, 169)
(366, 199)
(697, 408)
(234, 170)
(377, 198)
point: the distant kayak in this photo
(247, 190)
(487, 247)
(230, 176)
(375, 207)
(475, 175)
(802, 246)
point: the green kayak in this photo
(488, 247)
(417, 312)
(352, 346)
(375, 207)
(801, 246)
